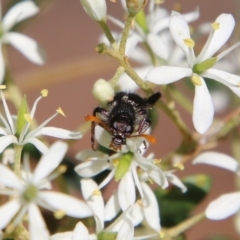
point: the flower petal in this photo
(175, 181)
(17, 13)
(6, 141)
(150, 208)
(26, 45)
(126, 230)
(9, 179)
(126, 191)
(88, 154)
(219, 37)
(230, 80)
(62, 236)
(167, 74)
(37, 226)
(8, 211)
(217, 159)
(94, 200)
(58, 133)
(112, 207)
(91, 168)
(203, 110)
(102, 136)
(80, 232)
(37, 143)
(69, 205)
(49, 161)
(224, 206)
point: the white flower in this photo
(199, 67)
(129, 167)
(28, 194)
(9, 131)
(227, 204)
(27, 46)
(96, 9)
(122, 226)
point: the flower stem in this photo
(107, 32)
(17, 159)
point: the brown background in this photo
(68, 37)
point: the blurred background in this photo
(68, 37)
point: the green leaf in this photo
(23, 109)
(123, 164)
(176, 206)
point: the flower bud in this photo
(135, 6)
(103, 91)
(96, 9)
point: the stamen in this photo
(28, 118)
(44, 93)
(139, 202)
(150, 180)
(59, 110)
(115, 162)
(156, 161)
(196, 80)
(2, 87)
(179, 165)
(97, 192)
(161, 234)
(59, 214)
(215, 25)
(189, 42)
(62, 169)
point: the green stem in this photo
(125, 33)
(116, 76)
(107, 32)
(17, 159)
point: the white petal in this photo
(230, 80)
(179, 30)
(69, 205)
(88, 154)
(95, 201)
(112, 207)
(217, 38)
(8, 211)
(126, 191)
(132, 41)
(80, 232)
(26, 45)
(136, 214)
(5, 141)
(150, 208)
(96, 9)
(224, 206)
(91, 168)
(167, 74)
(203, 110)
(176, 181)
(17, 13)
(217, 159)
(158, 46)
(58, 133)
(62, 236)
(102, 136)
(126, 231)
(9, 179)
(37, 143)
(50, 161)
(37, 226)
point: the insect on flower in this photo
(126, 116)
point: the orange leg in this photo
(150, 138)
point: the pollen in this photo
(140, 202)
(196, 80)
(44, 93)
(59, 214)
(59, 110)
(161, 234)
(179, 165)
(96, 193)
(2, 87)
(156, 161)
(150, 181)
(28, 118)
(189, 42)
(62, 169)
(215, 25)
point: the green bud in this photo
(135, 6)
(21, 116)
(107, 236)
(123, 165)
(205, 65)
(30, 193)
(142, 21)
